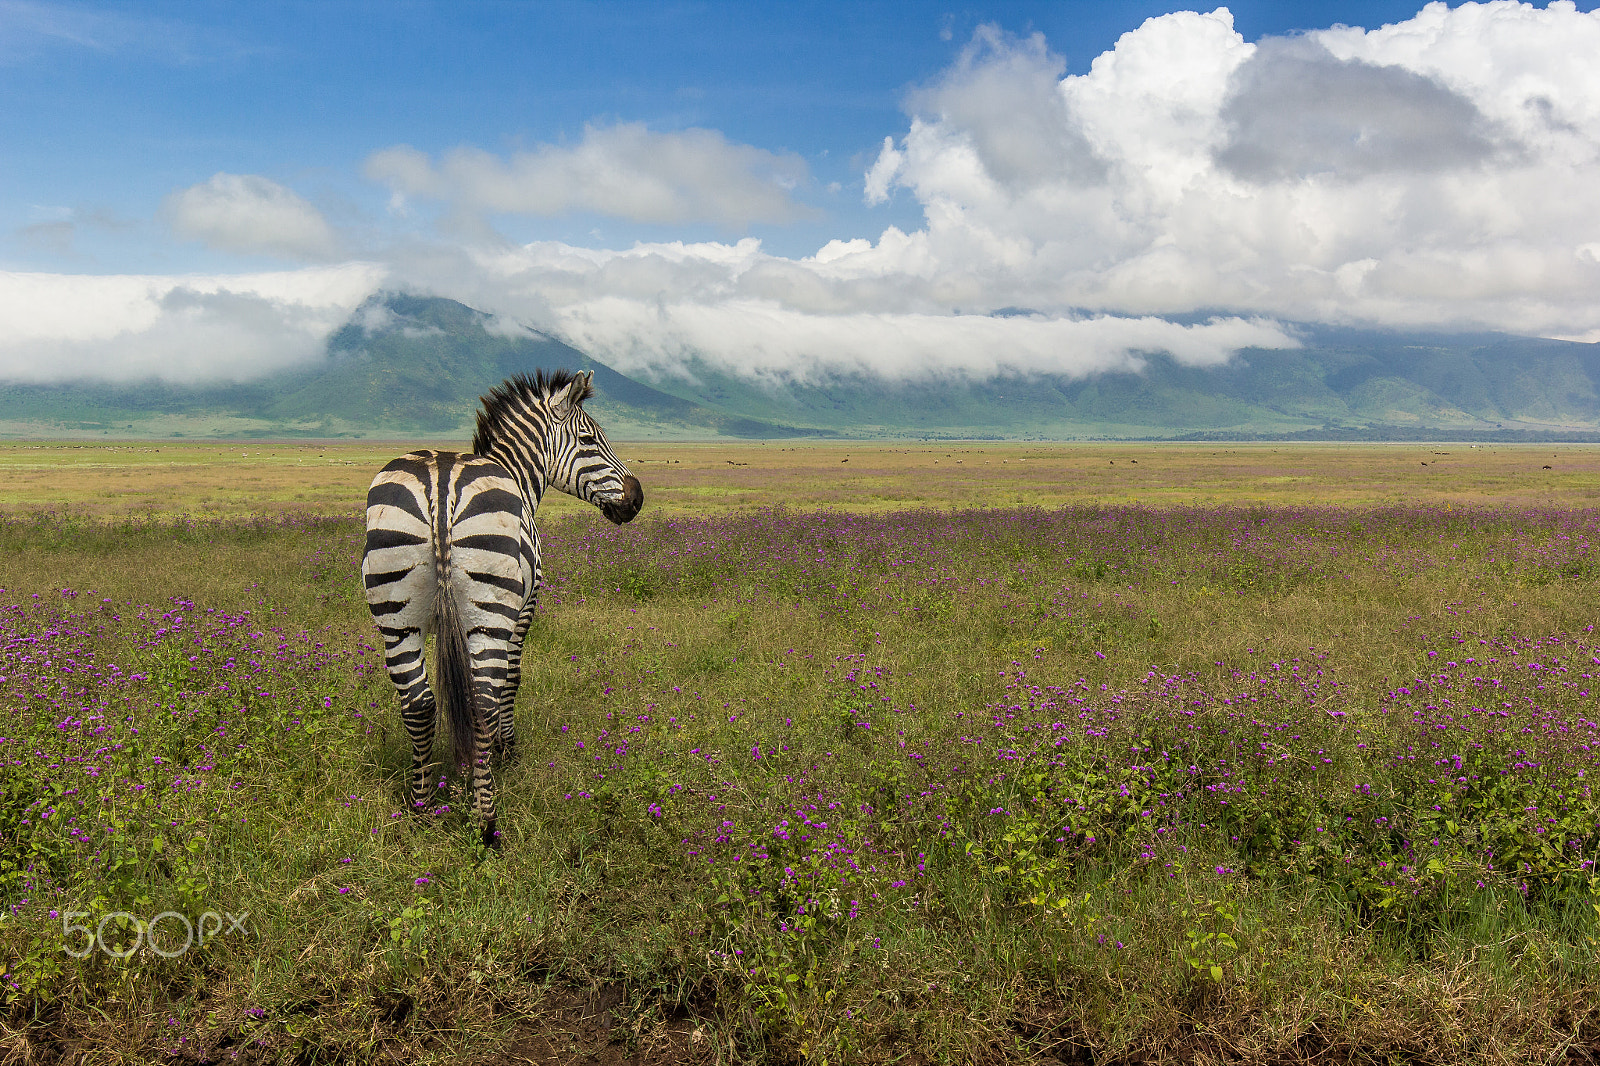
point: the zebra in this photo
(452, 550)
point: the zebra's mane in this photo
(519, 393)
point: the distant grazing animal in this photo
(452, 551)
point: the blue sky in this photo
(481, 150)
(111, 107)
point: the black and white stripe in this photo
(452, 550)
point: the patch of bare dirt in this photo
(571, 1028)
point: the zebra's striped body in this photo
(452, 550)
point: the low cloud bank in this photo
(656, 308)
(57, 327)
(192, 329)
(768, 342)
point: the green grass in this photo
(1151, 888)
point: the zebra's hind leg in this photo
(506, 704)
(489, 675)
(419, 716)
(483, 783)
(403, 656)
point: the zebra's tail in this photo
(455, 679)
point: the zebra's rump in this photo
(464, 513)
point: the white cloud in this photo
(1439, 171)
(57, 327)
(625, 171)
(883, 172)
(653, 308)
(1004, 95)
(1296, 110)
(250, 214)
(765, 340)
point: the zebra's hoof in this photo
(491, 837)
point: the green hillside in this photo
(424, 369)
(405, 366)
(414, 366)
(1343, 383)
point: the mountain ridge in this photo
(1342, 382)
(413, 366)
(405, 366)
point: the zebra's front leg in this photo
(403, 657)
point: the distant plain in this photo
(178, 477)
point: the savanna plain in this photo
(839, 753)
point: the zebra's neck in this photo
(526, 464)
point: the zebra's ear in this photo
(566, 401)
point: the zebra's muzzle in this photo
(623, 510)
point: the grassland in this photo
(1259, 754)
(211, 478)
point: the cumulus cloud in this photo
(1004, 96)
(883, 173)
(56, 327)
(250, 214)
(1296, 110)
(1438, 171)
(625, 171)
